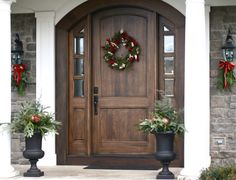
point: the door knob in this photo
(95, 104)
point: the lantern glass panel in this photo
(17, 57)
(228, 54)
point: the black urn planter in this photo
(165, 153)
(33, 152)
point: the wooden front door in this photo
(105, 105)
(124, 96)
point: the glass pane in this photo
(169, 65)
(75, 45)
(79, 88)
(79, 45)
(169, 87)
(166, 29)
(79, 67)
(168, 44)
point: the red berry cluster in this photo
(36, 118)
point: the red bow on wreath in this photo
(18, 69)
(227, 66)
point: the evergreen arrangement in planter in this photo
(163, 119)
(227, 172)
(34, 117)
(34, 121)
(164, 123)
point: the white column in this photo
(45, 74)
(6, 170)
(197, 87)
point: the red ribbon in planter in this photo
(18, 69)
(227, 66)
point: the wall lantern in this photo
(19, 75)
(226, 77)
(17, 52)
(228, 48)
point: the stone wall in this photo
(223, 103)
(25, 26)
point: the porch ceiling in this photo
(221, 2)
(29, 6)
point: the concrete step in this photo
(81, 172)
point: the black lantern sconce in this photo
(226, 77)
(228, 48)
(17, 52)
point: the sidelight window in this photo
(79, 64)
(167, 57)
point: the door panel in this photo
(118, 132)
(125, 96)
(117, 119)
(78, 137)
(132, 81)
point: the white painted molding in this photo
(69, 5)
(6, 170)
(195, 1)
(179, 5)
(66, 8)
(197, 90)
(45, 75)
(7, 2)
(5, 56)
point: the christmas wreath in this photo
(113, 44)
(19, 77)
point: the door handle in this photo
(95, 104)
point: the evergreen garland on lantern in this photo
(226, 75)
(19, 78)
(111, 46)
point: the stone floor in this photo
(81, 172)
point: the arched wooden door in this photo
(124, 97)
(104, 105)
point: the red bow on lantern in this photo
(227, 66)
(18, 69)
